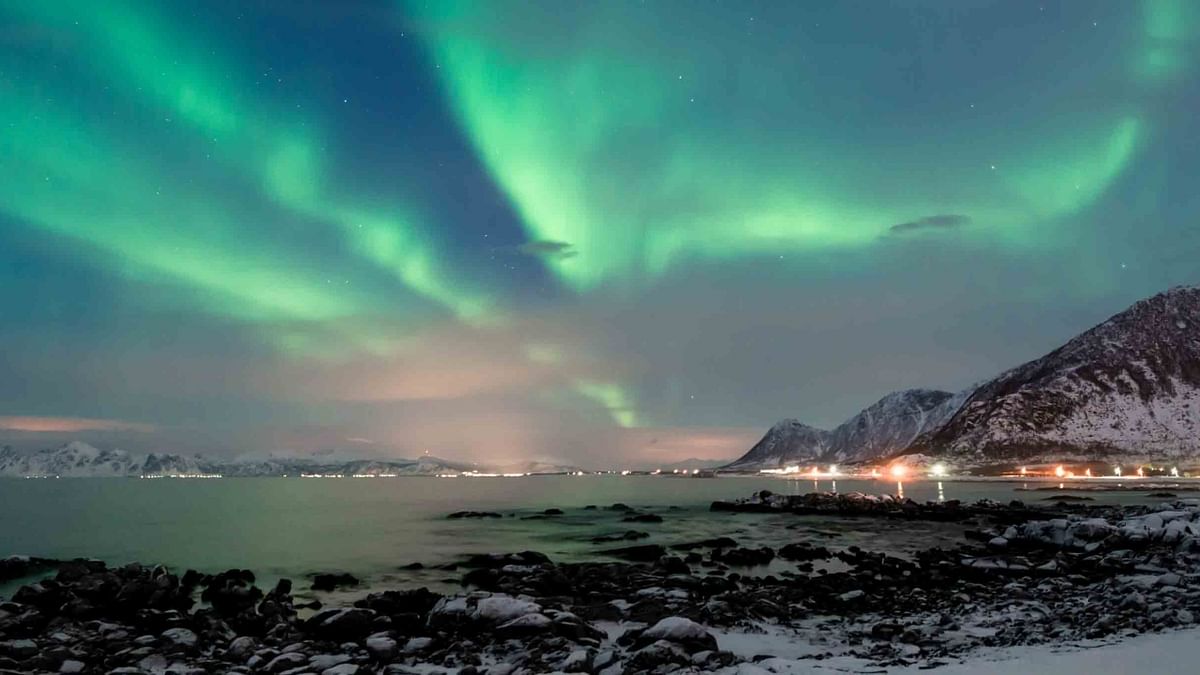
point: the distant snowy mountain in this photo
(788, 442)
(692, 464)
(1127, 389)
(891, 424)
(533, 467)
(1130, 387)
(888, 426)
(80, 460)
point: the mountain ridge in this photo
(77, 459)
(1127, 387)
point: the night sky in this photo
(596, 232)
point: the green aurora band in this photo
(610, 130)
(131, 51)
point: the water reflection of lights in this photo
(900, 489)
(941, 493)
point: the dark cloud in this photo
(547, 249)
(942, 221)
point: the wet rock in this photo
(240, 648)
(498, 560)
(801, 552)
(180, 637)
(19, 649)
(673, 565)
(681, 631)
(328, 582)
(744, 557)
(286, 661)
(628, 535)
(501, 608)
(524, 626)
(643, 553)
(717, 542)
(642, 518)
(341, 624)
(658, 655)
(322, 662)
(381, 646)
(473, 514)
(231, 592)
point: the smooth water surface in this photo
(372, 527)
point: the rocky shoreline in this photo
(1023, 575)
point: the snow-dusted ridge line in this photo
(81, 460)
(1126, 390)
(887, 426)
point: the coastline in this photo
(1022, 575)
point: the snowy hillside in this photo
(886, 427)
(80, 460)
(891, 424)
(1129, 387)
(788, 442)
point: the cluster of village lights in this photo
(1062, 472)
(897, 471)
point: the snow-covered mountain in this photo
(692, 464)
(80, 460)
(1130, 387)
(886, 427)
(891, 424)
(788, 442)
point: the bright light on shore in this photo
(898, 470)
(938, 470)
(1117, 471)
(1059, 471)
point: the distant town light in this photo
(1117, 471)
(1059, 471)
(938, 469)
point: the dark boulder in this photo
(328, 582)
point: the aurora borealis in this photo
(563, 230)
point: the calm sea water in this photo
(371, 527)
